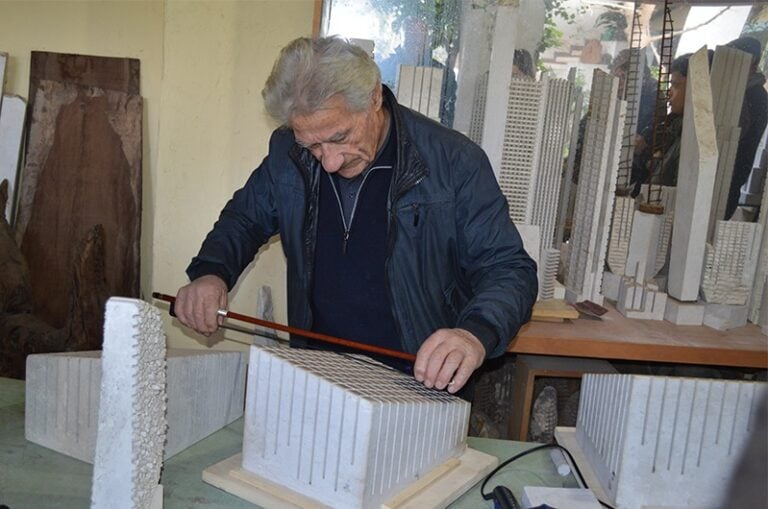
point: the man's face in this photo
(676, 93)
(344, 141)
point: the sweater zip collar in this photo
(348, 227)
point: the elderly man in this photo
(395, 231)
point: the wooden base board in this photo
(439, 488)
(566, 437)
(553, 310)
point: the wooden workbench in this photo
(615, 337)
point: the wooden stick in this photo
(301, 332)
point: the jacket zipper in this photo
(348, 227)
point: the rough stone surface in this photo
(344, 431)
(131, 422)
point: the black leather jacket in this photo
(454, 257)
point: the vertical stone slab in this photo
(12, 114)
(643, 245)
(420, 88)
(499, 78)
(596, 190)
(621, 232)
(132, 426)
(759, 290)
(522, 139)
(550, 168)
(695, 182)
(474, 54)
(731, 262)
(728, 77)
(3, 63)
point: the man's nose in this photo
(331, 157)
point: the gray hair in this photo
(309, 72)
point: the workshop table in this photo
(33, 477)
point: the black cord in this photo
(580, 477)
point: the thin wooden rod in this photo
(301, 332)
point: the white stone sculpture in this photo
(695, 182)
(662, 441)
(342, 431)
(205, 389)
(596, 191)
(131, 423)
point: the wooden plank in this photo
(108, 73)
(621, 338)
(553, 309)
(83, 168)
(451, 481)
(12, 115)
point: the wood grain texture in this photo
(83, 169)
(619, 338)
(108, 73)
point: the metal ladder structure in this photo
(632, 94)
(659, 138)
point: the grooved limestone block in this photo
(421, 89)
(548, 273)
(476, 120)
(640, 300)
(131, 424)
(205, 393)
(344, 431)
(621, 232)
(596, 190)
(695, 182)
(662, 441)
(499, 77)
(548, 175)
(520, 156)
(730, 265)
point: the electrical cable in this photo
(579, 476)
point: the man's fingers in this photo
(461, 376)
(197, 304)
(423, 357)
(450, 364)
(447, 359)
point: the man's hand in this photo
(447, 359)
(197, 304)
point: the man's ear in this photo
(376, 97)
